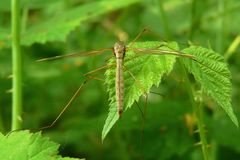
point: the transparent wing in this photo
(76, 54)
(161, 52)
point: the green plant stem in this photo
(232, 48)
(16, 67)
(198, 113)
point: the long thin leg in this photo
(142, 114)
(160, 94)
(95, 78)
(60, 114)
(69, 102)
(137, 37)
(145, 107)
(108, 58)
(96, 70)
(66, 106)
(155, 50)
(74, 96)
(143, 127)
(153, 33)
(138, 82)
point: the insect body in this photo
(119, 52)
(119, 49)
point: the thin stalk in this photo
(16, 67)
(201, 127)
(198, 113)
(232, 48)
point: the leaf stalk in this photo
(197, 109)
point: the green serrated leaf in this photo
(211, 71)
(25, 145)
(58, 27)
(147, 69)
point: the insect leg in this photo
(96, 70)
(141, 144)
(88, 77)
(138, 36)
(139, 108)
(137, 81)
(59, 115)
(65, 107)
(157, 93)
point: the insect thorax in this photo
(119, 50)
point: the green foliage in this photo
(171, 131)
(208, 68)
(147, 71)
(229, 135)
(50, 28)
(211, 71)
(24, 145)
(59, 26)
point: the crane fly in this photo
(119, 51)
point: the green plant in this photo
(29, 146)
(59, 26)
(208, 69)
(16, 67)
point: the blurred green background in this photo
(55, 27)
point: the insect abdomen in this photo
(119, 52)
(119, 86)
